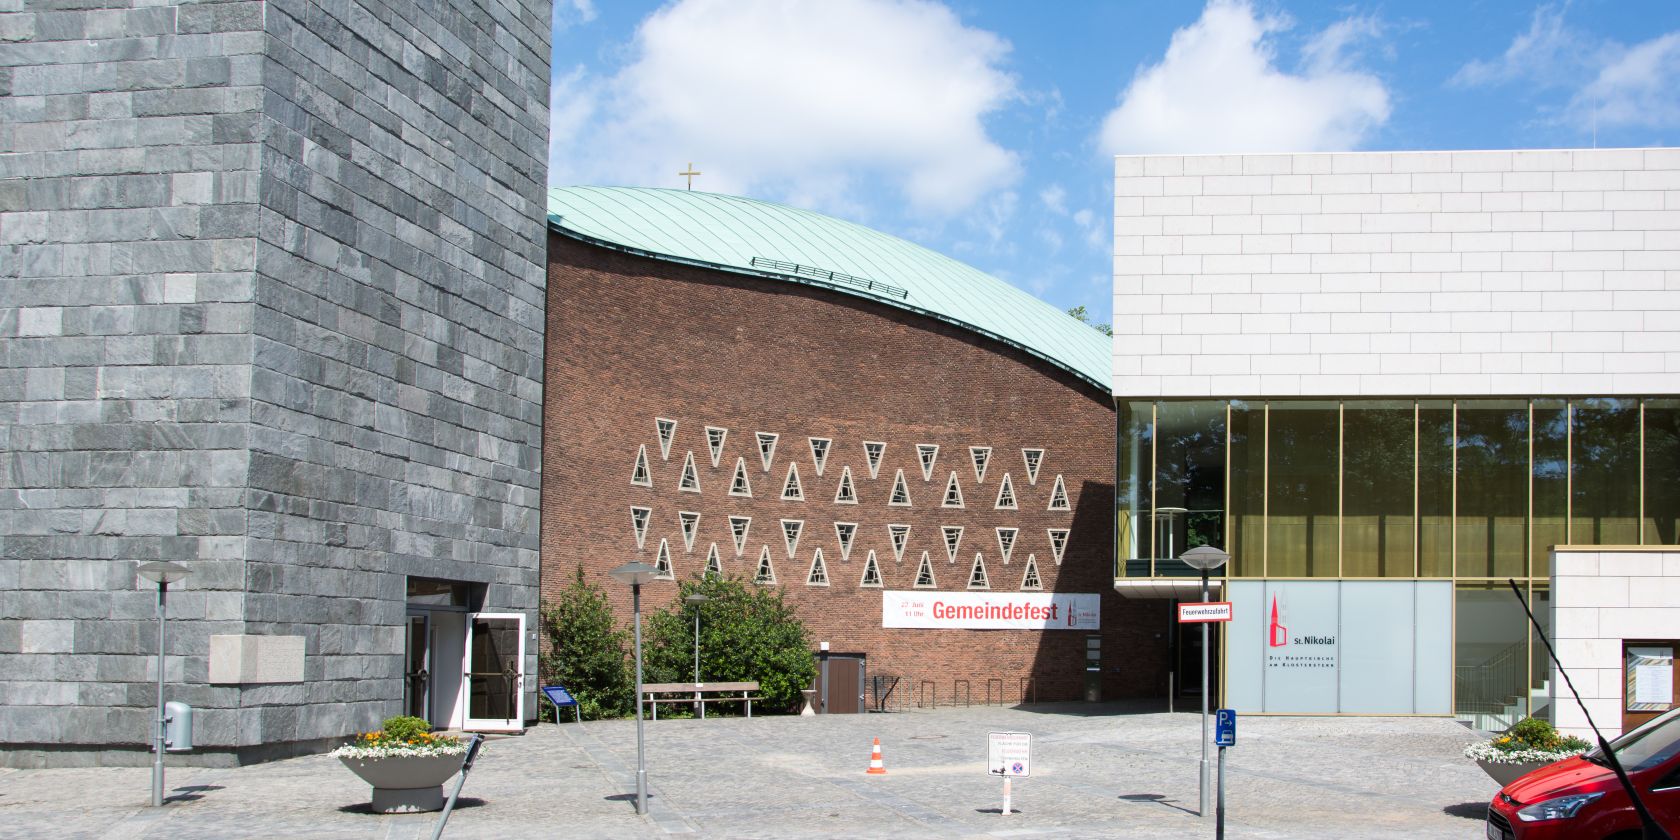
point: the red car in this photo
(1580, 799)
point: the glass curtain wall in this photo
(1476, 491)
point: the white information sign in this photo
(1655, 685)
(1011, 754)
(1197, 611)
(991, 610)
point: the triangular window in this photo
(690, 522)
(953, 493)
(844, 532)
(1033, 457)
(953, 538)
(977, 574)
(982, 456)
(1029, 579)
(766, 573)
(766, 448)
(924, 574)
(900, 535)
(1006, 494)
(818, 576)
(819, 452)
(871, 571)
(845, 494)
(1058, 496)
(790, 534)
(900, 493)
(714, 564)
(739, 485)
(872, 451)
(1058, 543)
(738, 527)
(792, 490)
(690, 477)
(638, 523)
(667, 433)
(662, 561)
(714, 441)
(1006, 542)
(639, 474)
(929, 453)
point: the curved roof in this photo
(772, 240)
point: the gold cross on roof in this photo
(690, 174)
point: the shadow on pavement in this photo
(1469, 810)
(1108, 709)
(1154, 798)
(366, 808)
(190, 793)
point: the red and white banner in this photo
(1203, 611)
(991, 610)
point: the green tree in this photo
(747, 632)
(587, 651)
(1079, 314)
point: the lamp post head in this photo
(634, 573)
(697, 599)
(1204, 558)
(163, 571)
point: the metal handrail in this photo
(829, 276)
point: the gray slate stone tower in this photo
(272, 307)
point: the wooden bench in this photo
(700, 694)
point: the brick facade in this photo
(632, 339)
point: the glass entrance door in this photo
(417, 669)
(494, 672)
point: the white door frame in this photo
(515, 723)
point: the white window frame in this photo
(845, 484)
(740, 537)
(898, 540)
(1006, 485)
(982, 458)
(900, 484)
(874, 462)
(714, 561)
(926, 563)
(766, 455)
(791, 540)
(817, 562)
(952, 484)
(928, 455)
(742, 477)
(820, 461)
(717, 446)
(951, 546)
(641, 466)
(795, 482)
(690, 528)
(986, 578)
(641, 532)
(765, 563)
(665, 436)
(1006, 549)
(869, 564)
(690, 475)
(845, 543)
(1057, 549)
(1031, 571)
(1032, 465)
(663, 558)
(1059, 491)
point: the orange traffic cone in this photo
(876, 768)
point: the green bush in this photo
(747, 632)
(1536, 734)
(587, 652)
(405, 728)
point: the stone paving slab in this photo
(1096, 773)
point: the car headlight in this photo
(1560, 808)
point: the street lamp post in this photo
(636, 574)
(697, 599)
(1205, 559)
(163, 573)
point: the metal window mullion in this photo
(1154, 482)
(1640, 515)
(1569, 472)
(1452, 530)
(1266, 489)
(1341, 483)
(1417, 512)
(1230, 540)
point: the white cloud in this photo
(1219, 89)
(1611, 85)
(1054, 199)
(806, 100)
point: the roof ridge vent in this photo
(827, 275)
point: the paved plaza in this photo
(1097, 771)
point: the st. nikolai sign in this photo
(1199, 612)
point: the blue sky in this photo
(986, 130)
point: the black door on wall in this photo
(1187, 659)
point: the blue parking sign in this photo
(1225, 728)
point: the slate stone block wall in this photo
(396, 383)
(272, 305)
(128, 182)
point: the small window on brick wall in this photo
(846, 493)
(1033, 458)
(738, 527)
(639, 474)
(766, 573)
(819, 453)
(1029, 579)
(900, 535)
(1058, 543)
(977, 574)
(844, 533)
(690, 523)
(1059, 496)
(667, 432)
(792, 489)
(953, 493)
(1006, 494)
(714, 564)
(791, 529)
(953, 539)
(818, 576)
(871, 572)
(872, 452)
(638, 524)
(766, 448)
(690, 482)
(739, 485)
(900, 492)
(982, 457)
(662, 561)
(1006, 542)
(924, 574)
(929, 454)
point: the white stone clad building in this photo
(1412, 370)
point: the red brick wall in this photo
(631, 339)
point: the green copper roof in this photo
(771, 240)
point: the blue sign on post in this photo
(1225, 728)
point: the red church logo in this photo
(1279, 633)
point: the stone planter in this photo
(1505, 774)
(406, 784)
